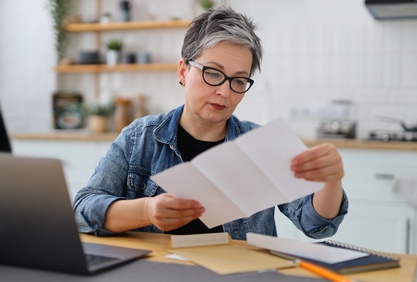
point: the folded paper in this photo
(239, 178)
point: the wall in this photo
(322, 50)
(26, 59)
(315, 52)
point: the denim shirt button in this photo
(172, 147)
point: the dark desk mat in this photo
(147, 271)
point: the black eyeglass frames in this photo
(215, 77)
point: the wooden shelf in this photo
(84, 27)
(98, 28)
(117, 68)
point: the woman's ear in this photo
(181, 72)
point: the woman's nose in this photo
(224, 89)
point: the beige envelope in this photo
(230, 258)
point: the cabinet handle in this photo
(408, 236)
(384, 176)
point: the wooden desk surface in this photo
(158, 244)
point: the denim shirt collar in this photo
(166, 132)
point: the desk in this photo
(143, 270)
(158, 243)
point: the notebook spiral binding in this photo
(360, 249)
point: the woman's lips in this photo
(218, 106)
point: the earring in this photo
(181, 83)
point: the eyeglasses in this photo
(214, 77)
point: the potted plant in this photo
(206, 4)
(60, 11)
(98, 116)
(114, 47)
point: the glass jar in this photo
(123, 113)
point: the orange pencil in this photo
(323, 272)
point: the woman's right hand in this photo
(168, 213)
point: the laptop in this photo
(37, 225)
(4, 137)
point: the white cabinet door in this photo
(382, 227)
(364, 168)
(375, 207)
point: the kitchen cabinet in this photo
(378, 218)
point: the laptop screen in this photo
(4, 137)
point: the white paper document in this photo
(239, 178)
(297, 248)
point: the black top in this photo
(4, 138)
(190, 148)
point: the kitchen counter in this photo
(110, 136)
(66, 135)
(364, 144)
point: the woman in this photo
(219, 55)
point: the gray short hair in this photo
(219, 25)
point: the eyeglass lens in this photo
(215, 77)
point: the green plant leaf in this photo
(115, 44)
(60, 10)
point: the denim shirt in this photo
(148, 146)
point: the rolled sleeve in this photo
(90, 216)
(302, 213)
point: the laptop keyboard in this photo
(94, 260)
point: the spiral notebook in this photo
(374, 261)
(339, 257)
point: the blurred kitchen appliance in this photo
(405, 127)
(88, 57)
(392, 9)
(407, 133)
(392, 135)
(68, 110)
(339, 120)
(125, 8)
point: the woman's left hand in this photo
(321, 163)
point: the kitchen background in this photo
(315, 52)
